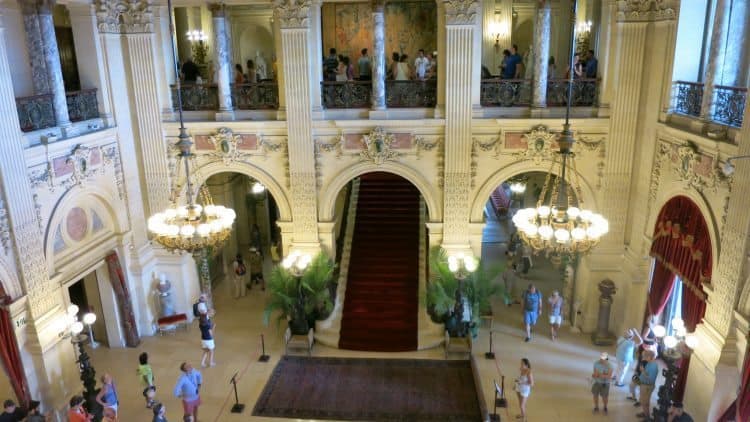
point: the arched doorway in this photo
(682, 255)
(255, 226)
(381, 302)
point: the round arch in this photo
(328, 197)
(514, 169)
(95, 198)
(210, 169)
(9, 281)
(678, 189)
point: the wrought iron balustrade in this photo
(505, 92)
(411, 94)
(35, 112)
(348, 94)
(255, 96)
(82, 105)
(729, 105)
(585, 92)
(197, 97)
(687, 97)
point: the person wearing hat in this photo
(625, 354)
(678, 414)
(160, 413)
(76, 413)
(11, 412)
(35, 414)
(601, 378)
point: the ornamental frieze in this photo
(124, 16)
(378, 146)
(292, 13)
(646, 10)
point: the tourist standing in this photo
(402, 71)
(523, 385)
(239, 77)
(364, 67)
(207, 340)
(76, 413)
(591, 65)
(509, 282)
(160, 413)
(11, 412)
(516, 62)
(526, 262)
(678, 414)
(256, 268)
(35, 415)
(107, 396)
(394, 64)
(188, 389)
(189, 71)
(647, 382)
(146, 375)
(551, 68)
(255, 241)
(421, 63)
(601, 378)
(330, 64)
(532, 308)
(577, 68)
(555, 314)
(626, 354)
(238, 279)
(252, 76)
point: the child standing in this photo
(146, 375)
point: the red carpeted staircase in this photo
(380, 308)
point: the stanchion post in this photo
(494, 417)
(263, 357)
(238, 407)
(490, 354)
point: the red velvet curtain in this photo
(9, 353)
(120, 286)
(662, 283)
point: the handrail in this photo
(689, 83)
(731, 88)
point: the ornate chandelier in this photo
(559, 224)
(194, 226)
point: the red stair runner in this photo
(380, 309)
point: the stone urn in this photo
(166, 301)
(602, 336)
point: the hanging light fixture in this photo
(559, 224)
(197, 224)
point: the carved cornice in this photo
(80, 170)
(292, 13)
(461, 12)
(125, 16)
(646, 10)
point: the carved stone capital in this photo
(461, 12)
(293, 13)
(646, 10)
(125, 16)
(218, 10)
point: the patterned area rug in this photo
(370, 390)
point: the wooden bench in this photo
(169, 324)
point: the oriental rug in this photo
(370, 390)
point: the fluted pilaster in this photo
(222, 61)
(542, 31)
(294, 19)
(488, 33)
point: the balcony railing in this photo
(196, 97)
(411, 94)
(35, 112)
(729, 105)
(687, 97)
(349, 94)
(505, 92)
(256, 96)
(82, 105)
(585, 92)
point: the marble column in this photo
(315, 66)
(35, 47)
(463, 45)
(715, 66)
(295, 20)
(542, 34)
(52, 62)
(605, 47)
(222, 62)
(378, 55)
(164, 61)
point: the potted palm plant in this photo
(445, 293)
(302, 298)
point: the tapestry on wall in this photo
(409, 26)
(116, 276)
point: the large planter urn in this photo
(602, 336)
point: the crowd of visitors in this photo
(340, 68)
(515, 66)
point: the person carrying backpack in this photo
(532, 308)
(239, 277)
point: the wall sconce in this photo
(498, 30)
(197, 35)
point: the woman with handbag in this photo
(524, 382)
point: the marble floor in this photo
(561, 369)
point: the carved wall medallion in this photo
(225, 146)
(124, 16)
(461, 12)
(538, 145)
(77, 224)
(292, 13)
(378, 147)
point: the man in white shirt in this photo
(421, 64)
